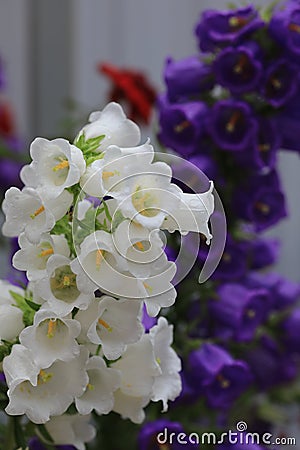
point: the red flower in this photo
(133, 87)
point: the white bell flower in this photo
(117, 323)
(56, 166)
(141, 249)
(51, 338)
(86, 318)
(27, 211)
(99, 260)
(192, 215)
(33, 258)
(103, 381)
(158, 289)
(11, 317)
(106, 176)
(114, 125)
(167, 385)
(138, 368)
(38, 392)
(145, 197)
(62, 288)
(71, 429)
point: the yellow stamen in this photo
(242, 63)
(251, 313)
(47, 252)
(264, 147)
(226, 257)
(262, 207)
(235, 22)
(37, 212)
(62, 165)
(44, 377)
(139, 246)
(66, 281)
(51, 328)
(182, 126)
(231, 125)
(158, 360)
(105, 325)
(276, 83)
(164, 447)
(148, 287)
(90, 387)
(143, 202)
(107, 174)
(99, 258)
(294, 27)
(224, 383)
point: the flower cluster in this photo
(228, 110)
(89, 222)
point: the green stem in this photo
(9, 443)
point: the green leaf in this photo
(24, 306)
(32, 305)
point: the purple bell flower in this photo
(239, 69)
(270, 364)
(181, 125)
(220, 28)
(233, 264)
(216, 375)
(239, 311)
(261, 202)
(242, 444)
(232, 125)
(290, 327)
(285, 28)
(263, 253)
(35, 444)
(187, 78)
(284, 293)
(262, 152)
(288, 123)
(280, 83)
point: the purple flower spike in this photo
(156, 435)
(238, 311)
(239, 68)
(219, 28)
(214, 373)
(281, 83)
(232, 125)
(187, 78)
(263, 253)
(182, 125)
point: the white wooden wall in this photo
(51, 48)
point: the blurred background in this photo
(50, 50)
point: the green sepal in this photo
(24, 305)
(88, 147)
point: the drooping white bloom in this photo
(11, 317)
(167, 385)
(56, 165)
(138, 369)
(103, 381)
(38, 392)
(51, 338)
(113, 124)
(62, 288)
(71, 429)
(193, 214)
(99, 260)
(145, 197)
(159, 291)
(141, 249)
(117, 323)
(33, 258)
(86, 317)
(27, 211)
(106, 176)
